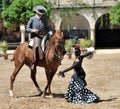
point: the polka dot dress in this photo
(78, 93)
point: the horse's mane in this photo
(56, 35)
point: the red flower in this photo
(76, 46)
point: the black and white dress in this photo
(78, 93)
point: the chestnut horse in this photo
(54, 53)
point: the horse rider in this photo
(39, 28)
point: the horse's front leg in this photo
(33, 77)
(50, 81)
(49, 75)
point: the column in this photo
(22, 29)
(92, 34)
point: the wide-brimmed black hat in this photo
(40, 9)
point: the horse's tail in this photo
(13, 56)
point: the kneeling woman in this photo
(77, 91)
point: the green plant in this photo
(3, 47)
(85, 43)
(89, 43)
(114, 14)
(69, 46)
(19, 12)
(82, 43)
(73, 41)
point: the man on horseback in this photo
(39, 28)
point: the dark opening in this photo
(75, 33)
(107, 38)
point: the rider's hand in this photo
(35, 30)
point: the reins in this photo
(56, 53)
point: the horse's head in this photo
(59, 44)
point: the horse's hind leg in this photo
(33, 76)
(13, 76)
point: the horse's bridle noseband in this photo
(60, 57)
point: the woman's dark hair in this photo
(77, 52)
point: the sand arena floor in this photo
(103, 78)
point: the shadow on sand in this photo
(107, 100)
(54, 95)
(61, 95)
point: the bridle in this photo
(61, 45)
(56, 40)
(60, 57)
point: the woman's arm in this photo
(86, 54)
(68, 69)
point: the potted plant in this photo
(83, 46)
(3, 49)
(86, 44)
(89, 43)
(69, 48)
(90, 47)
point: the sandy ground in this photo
(103, 78)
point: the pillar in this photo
(22, 29)
(92, 34)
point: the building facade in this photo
(90, 20)
(86, 19)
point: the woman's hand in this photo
(94, 52)
(60, 73)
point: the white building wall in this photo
(85, 18)
(90, 2)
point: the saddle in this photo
(43, 45)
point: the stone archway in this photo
(79, 23)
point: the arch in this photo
(106, 34)
(77, 22)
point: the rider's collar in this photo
(38, 16)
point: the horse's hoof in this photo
(49, 96)
(11, 93)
